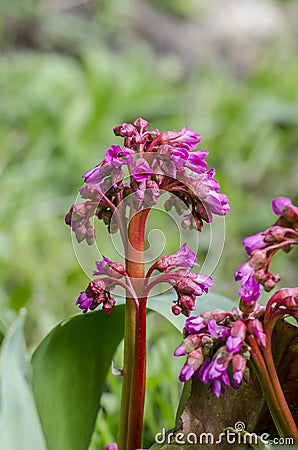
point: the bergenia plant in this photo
(221, 346)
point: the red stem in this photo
(135, 270)
(289, 427)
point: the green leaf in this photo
(69, 371)
(162, 304)
(19, 422)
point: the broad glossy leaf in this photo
(19, 421)
(69, 371)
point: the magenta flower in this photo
(221, 337)
(244, 272)
(96, 175)
(84, 302)
(118, 156)
(108, 267)
(216, 372)
(194, 324)
(250, 291)
(178, 138)
(254, 242)
(190, 138)
(187, 372)
(97, 293)
(233, 344)
(237, 337)
(161, 157)
(113, 446)
(279, 204)
(218, 331)
(255, 327)
(196, 161)
(194, 361)
(184, 257)
(219, 384)
(217, 204)
(190, 343)
(239, 367)
(191, 283)
(283, 206)
(141, 171)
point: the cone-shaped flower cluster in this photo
(261, 247)
(149, 163)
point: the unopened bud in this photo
(215, 314)
(258, 259)
(269, 284)
(108, 305)
(176, 309)
(187, 301)
(238, 329)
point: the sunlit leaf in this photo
(19, 422)
(69, 371)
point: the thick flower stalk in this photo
(220, 345)
(121, 190)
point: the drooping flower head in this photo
(132, 178)
(150, 163)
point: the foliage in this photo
(64, 83)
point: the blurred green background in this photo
(72, 70)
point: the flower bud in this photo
(258, 259)
(111, 447)
(190, 343)
(187, 302)
(176, 309)
(239, 367)
(108, 305)
(255, 327)
(238, 329)
(217, 314)
(269, 284)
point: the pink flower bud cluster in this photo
(261, 247)
(150, 163)
(216, 348)
(98, 290)
(187, 284)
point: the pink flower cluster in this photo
(261, 248)
(175, 270)
(216, 348)
(149, 164)
(187, 284)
